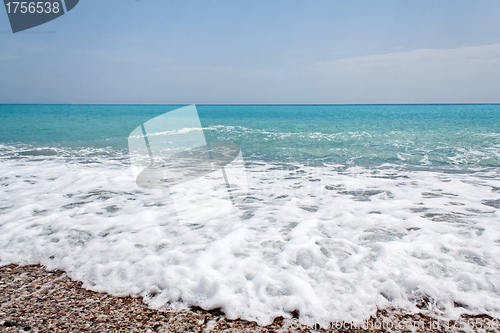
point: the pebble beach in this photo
(34, 299)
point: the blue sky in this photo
(242, 51)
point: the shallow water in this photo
(333, 236)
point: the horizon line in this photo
(256, 104)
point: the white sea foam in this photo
(332, 242)
(407, 146)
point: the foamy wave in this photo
(416, 148)
(31, 152)
(333, 242)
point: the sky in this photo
(257, 52)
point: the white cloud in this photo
(486, 55)
(467, 74)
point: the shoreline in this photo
(36, 300)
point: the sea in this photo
(348, 209)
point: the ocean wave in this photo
(331, 242)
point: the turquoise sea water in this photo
(348, 209)
(459, 135)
